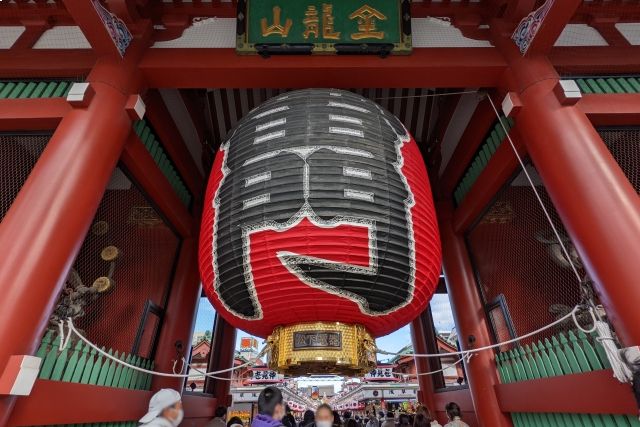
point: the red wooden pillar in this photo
(595, 200)
(471, 322)
(223, 346)
(179, 318)
(46, 224)
(419, 340)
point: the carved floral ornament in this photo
(527, 29)
(116, 27)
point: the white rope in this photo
(204, 374)
(489, 347)
(72, 329)
(466, 358)
(535, 191)
(621, 370)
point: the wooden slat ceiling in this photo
(417, 108)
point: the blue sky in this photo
(440, 308)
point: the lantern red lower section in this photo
(287, 300)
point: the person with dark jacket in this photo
(308, 419)
(288, 420)
(220, 419)
(235, 422)
(270, 408)
(389, 421)
(336, 419)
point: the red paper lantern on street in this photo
(319, 228)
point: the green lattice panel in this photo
(80, 363)
(566, 353)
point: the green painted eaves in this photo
(608, 85)
(154, 147)
(22, 89)
(493, 140)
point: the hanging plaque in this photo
(317, 339)
(310, 26)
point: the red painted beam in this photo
(146, 173)
(470, 320)
(588, 393)
(471, 139)
(34, 28)
(433, 67)
(611, 109)
(32, 114)
(38, 63)
(180, 316)
(500, 168)
(229, 10)
(595, 59)
(221, 357)
(163, 124)
(49, 404)
(420, 330)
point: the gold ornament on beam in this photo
(321, 347)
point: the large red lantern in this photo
(319, 229)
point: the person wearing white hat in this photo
(165, 409)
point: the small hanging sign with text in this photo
(310, 26)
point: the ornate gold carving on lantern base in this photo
(321, 347)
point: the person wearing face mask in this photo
(270, 408)
(165, 409)
(324, 416)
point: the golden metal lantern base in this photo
(321, 348)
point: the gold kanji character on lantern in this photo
(367, 16)
(327, 23)
(276, 28)
(311, 22)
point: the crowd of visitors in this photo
(271, 405)
(165, 410)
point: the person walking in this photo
(220, 419)
(325, 417)
(389, 420)
(288, 420)
(308, 419)
(235, 422)
(373, 421)
(165, 409)
(455, 415)
(270, 408)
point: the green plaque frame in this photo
(303, 27)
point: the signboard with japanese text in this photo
(265, 375)
(317, 339)
(381, 373)
(313, 26)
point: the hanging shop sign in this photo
(381, 373)
(311, 26)
(265, 376)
